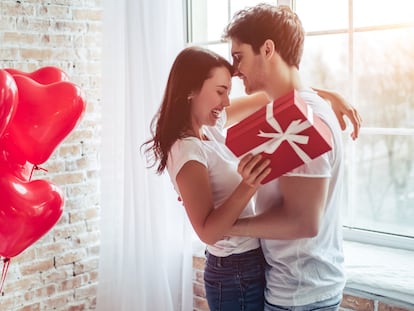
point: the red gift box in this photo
(285, 131)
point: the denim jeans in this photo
(235, 282)
(331, 304)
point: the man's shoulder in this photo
(321, 108)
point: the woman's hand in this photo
(342, 109)
(253, 169)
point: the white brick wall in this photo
(60, 271)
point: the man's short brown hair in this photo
(280, 24)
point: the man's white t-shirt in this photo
(308, 270)
(224, 178)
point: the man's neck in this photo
(284, 82)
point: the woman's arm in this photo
(342, 109)
(242, 107)
(210, 223)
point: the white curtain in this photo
(145, 255)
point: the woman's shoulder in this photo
(187, 147)
(184, 150)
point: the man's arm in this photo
(298, 216)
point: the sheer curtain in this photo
(145, 256)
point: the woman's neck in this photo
(198, 134)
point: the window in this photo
(363, 49)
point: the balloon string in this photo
(35, 167)
(6, 263)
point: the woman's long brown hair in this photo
(191, 68)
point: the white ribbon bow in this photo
(290, 135)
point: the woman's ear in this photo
(190, 97)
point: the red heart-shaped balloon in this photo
(15, 165)
(45, 115)
(8, 99)
(27, 211)
(44, 75)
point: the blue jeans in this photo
(235, 282)
(331, 304)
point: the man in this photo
(299, 212)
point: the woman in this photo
(215, 189)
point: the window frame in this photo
(350, 233)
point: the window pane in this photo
(384, 184)
(237, 5)
(373, 67)
(382, 12)
(325, 62)
(222, 49)
(207, 19)
(322, 14)
(384, 68)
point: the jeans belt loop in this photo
(219, 263)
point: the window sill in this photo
(373, 270)
(381, 271)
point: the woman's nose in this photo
(226, 102)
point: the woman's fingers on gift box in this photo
(253, 169)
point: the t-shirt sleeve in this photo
(318, 167)
(183, 151)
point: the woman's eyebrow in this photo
(223, 86)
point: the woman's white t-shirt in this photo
(224, 178)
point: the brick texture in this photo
(60, 270)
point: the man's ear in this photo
(268, 48)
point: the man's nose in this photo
(236, 72)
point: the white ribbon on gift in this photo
(290, 135)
